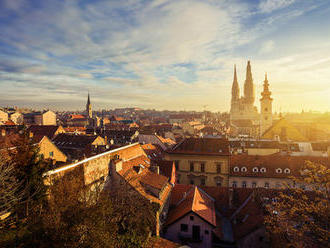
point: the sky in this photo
(163, 54)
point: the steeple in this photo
(266, 93)
(235, 87)
(88, 100)
(249, 93)
(89, 112)
(266, 109)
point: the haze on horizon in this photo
(163, 54)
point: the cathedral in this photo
(244, 114)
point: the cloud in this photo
(267, 47)
(85, 75)
(162, 54)
(267, 6)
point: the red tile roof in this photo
(196, 201)
(202, 146)
(271, 163)
(137, 173)
(77, 117)
(158, 242)
(46, 130)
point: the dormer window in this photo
(255, 169)
(278, 170)
(236, 169)
(287, 170)
(243, 169)
(263, 170)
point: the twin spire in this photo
(249, 89)
(249, 93)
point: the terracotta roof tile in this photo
(202, 146)
(271, 163)
(197, 201)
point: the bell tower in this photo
(266, 116)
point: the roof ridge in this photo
(194, 198)
(242, 206)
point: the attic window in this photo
(255, 169)
(243, 169)
(263, 170)
(278, 170)
(287, 170)
(236, 169)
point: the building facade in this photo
(201, 161)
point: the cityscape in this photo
(164, 123)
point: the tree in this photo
(11, 190)
(300, 218)
(29, 167)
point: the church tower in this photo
(234, 93)
(266, 116)
(89, 112)
(249, 94)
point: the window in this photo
(192, 182)
(234, 184)
(202, 167)
(287, 170)
(254, 185)
(51, 154)
(267, 185)
(219, 182)
(206, 232)
(263, 170)
(255, 169)
(218, 168)
(202, 181)
(191, 217)
(236, 169)
(243, 169)
(191, 166)
(184, 228)
(278, 170)
(244, 184)
(266, 109)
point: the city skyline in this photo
(163, 54)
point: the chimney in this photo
(3, 132)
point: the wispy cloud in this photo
(159, 54)
(272, 5)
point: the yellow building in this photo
(282, 130)
(3, 116)
(201, 161)
(45, 118)
(50, 151)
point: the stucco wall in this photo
(210, 172)
(46, 146)
(173, 231)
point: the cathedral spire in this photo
(249, 93)
(235, 87)
(88, 100)
(89, 112)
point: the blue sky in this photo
(162, 54)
